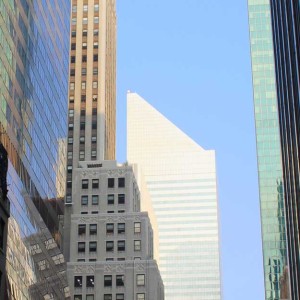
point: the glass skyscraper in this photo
(34, 46)
(181, 179)
(268, 152)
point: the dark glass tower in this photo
(286, 39)
(34, 55)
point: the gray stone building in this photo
(110, 250)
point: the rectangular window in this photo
(83, 71)
(95, 84)
(121, 182)
(83, 85)
(120, 280)
(96, 32)
(74, 21)
(83, 98)
(95, 58)
(109, 246)
(73, 46)
(137, 245)
(107, 280)
(95, 71)
(73, 60)
(121, 228)
(82, 125)
(94, 139)
(74, 8)
(96, 7)
(85, 7)
(84, 45)
(81, 155)
(70, 154)
(81, 229)
(121, 245)
(95, 199)
(77, 297)
(84, 58)
(71, 113)
(85, 184)
(72, 72)
(70, 140)
(95, 183)
(71, 99)
(96, 20)
(109, 259)
(140, 296)
(94, 111)
(90, 281)
(94, 154)
(73, 34)
(84, 200)
(110, 199)
(68, 199)
(84, 21)
(90, 297)
(107, 297)
(93, 229)
(84, 32)
(93, 246)
(140, 279)
(94, 124)
(121, 199)
(82, 140)
(137, 227)
(110, 182)
(95, 45)
(81, 247)
(109, 228)
(78, 281)
(72, 86)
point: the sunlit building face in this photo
(181, 179)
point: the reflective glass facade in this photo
(268, 151)
(34, 45)
(286, 37)
(181, 179)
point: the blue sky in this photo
(191, 60)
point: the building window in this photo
(89, 297)
(85, 7)
(84, 45)
(70, 140)
(71, 126)
(84, 200)
(121, 245)
(95, 84)
(121, 258)
(83, 98)
(69, 184)
(81, 229)
(94, 154)
(140, 296)
(95, 71)
(137, 227)
(121, 211)
(73, 46)
(78, 281)
(110, 199)
(77, 297)
(73, 34)
(109, 228)
(109, 259)
(95, 183)
(68, 199)
(137, 245)
(74, 21)
(70, 154)
(71, 113)
(81, 155)
(96, 20)
(121, 182)
(94, 139)
(109, 246)
(94, 124)
(84, 58)
(73, 60)
(110, 182)
(93, 229)
(82, 113)
(90, 281)
(95, 58)
(84, 21)
(74, 8)
(140, 279)
(72, 72)
(107, 297)
(96, 7)
(121, 199)
(93, 246)
(95, 199)
(96, 32)
(82, 125)
(83, 71)
(71, 99)
(84, 32)
(120, 280)
(85, 184)
(94, 111)
(107, 280)
(72, 86)
(121, 228)
(82, 140)
(83, 85)
(81, 247)
(95, 45)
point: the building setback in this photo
(34, 44)
(270, 170)
(286, 34)
(181, 179)
(111, 247)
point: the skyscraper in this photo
(108, 241)
(286, 35)
(181, 179)
(34, 43)
(271, 188)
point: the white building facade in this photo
(111, 241)
(181, 180)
